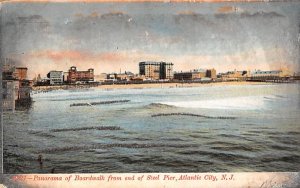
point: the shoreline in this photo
(145, 85)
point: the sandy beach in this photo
(148, 85)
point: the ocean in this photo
(212, 128)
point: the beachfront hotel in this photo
(156, 70)
(80, 76)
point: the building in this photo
(16, 89)
(66, 74)
(296, 76)
(43, 82)
(20, 73)
(101, 78)
(211, 73)
(126, 76)
(230, 76)
(195, 74)
(270, 74)
(156, 70)
(56, 77)
(80, 76)
(23, 98)
(234, 75)
(166, 71)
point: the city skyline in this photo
(109, 37)
(138, 73)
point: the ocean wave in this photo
(290, 158)
(41, 134)
(274, 97)
(159, 105)
(112, 128)
(215, 155)
(195, 115)
(106, 146)
(98, 103)
(236, 148)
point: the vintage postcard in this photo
(150, 93)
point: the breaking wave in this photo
(237, 103)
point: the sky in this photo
(114, 37)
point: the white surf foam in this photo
(239, 103)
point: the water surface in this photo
(260, 130)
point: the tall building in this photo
(80, 76)
(56, 77)
(167, 71)
(211, 73)
(156, 70)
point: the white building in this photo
(269, 74)
(56, 77)
(101, 77)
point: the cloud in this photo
(114, 14)
(244, 14)
(190, 17)
(229, 9)
(57, 56)
(97, 15)
(187, 12)
(226, 9)
(261, 14)
(37, 20)
(31, 18)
